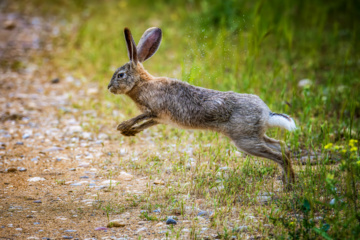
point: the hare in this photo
(243, 118)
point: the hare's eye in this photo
(121, 75)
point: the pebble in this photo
(84, 164)
(125, 176)
(26, 135)
(53, 149)
(18, 229)
(29, 216)
(84, 177)
(70, 230)
(21, 169)
(170, 221)
(100, 228)
(55, 80)
(159, 182)
(72, 169)
(157, 211)
(203, 214)
(67, 237)
(9, 24)
(19, 143)
(76, 184)
(37, 201)
(141, 229)
(116, 223)
(11, 169)
(36, 179)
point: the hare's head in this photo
(127, 76)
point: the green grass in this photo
(259, 47)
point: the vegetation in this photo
(259, 47)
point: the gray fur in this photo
(242, 117)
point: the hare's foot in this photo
(123, 126)
(130, 132)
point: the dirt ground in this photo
(54, 174)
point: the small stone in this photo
(29, 216)
(21, 169)
(103, 136)
(170, 221)
(159, 182)
(116, 223)
(35, 159)
(142, 222)
(101, 229)
(36, 179)
(332, 201)
(74, 129)
(36, 223)
(160, 224)
(37, 201)
(53, 149)
(55, 80)
(125, 176)
(11, 169)
(19, 143)
(26, 135)
(84, 164)
(67, 237)
(70, 230)
(109, 182)
(203, 214)
(141, 229)
(76, 184)
(18, 229)
(9, 24)
(84, 177)
(72, 169)
(157, 211)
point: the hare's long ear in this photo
(149, 43)
(131, 46)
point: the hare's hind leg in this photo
(269, 149)
(280, 146)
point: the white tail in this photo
(282, 121)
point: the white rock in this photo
(141, 229)
(125, 176)
(74, 129)
(84, 164)
(36, 179)
(103, 136)
(107, 182)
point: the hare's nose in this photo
(110, 85)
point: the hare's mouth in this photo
(112, 89)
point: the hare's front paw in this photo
(122, 126)
(129, 132)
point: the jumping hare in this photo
(243, 118)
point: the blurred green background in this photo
(260, 47)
